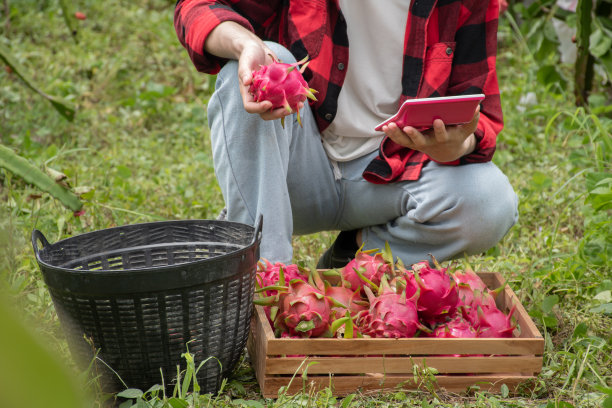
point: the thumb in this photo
(476, 115)
(245, 77)
(245, 73)
(472, 124)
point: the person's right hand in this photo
(252, 56)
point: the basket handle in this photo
(258, 227)
(38, 236)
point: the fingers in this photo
(408, 136)
(439, 131)
(471, 126)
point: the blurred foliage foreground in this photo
(136, 150)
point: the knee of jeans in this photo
(488, 218)
(281, 52)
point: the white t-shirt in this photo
(372, 87)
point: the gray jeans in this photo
(285, 175)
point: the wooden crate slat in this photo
(491, 279)
(527, 327)
(399, 365)
(415, 346)
(344, 385)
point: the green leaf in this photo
(605, 390)
(549, 75)
(581, 331)
(124, 171)
(604, 296)
(69, 18)
(178, 403)
(244, 403)
(605, 308)
(130, 393)
(549, 302)
(140, 403)
(504, 391)
(33, 175)
(346, 402)
(599, 43)
(237, 387)
(559, 404)
(154, 388)
(65, 108)
(550, 321)
(606, 63)
(540, 180)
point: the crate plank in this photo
(413, 346)
(399, 365)
(527, 326)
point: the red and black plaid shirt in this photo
(450, 48)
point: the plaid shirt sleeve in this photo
(195, 19)
(474, 72)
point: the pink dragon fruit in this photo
(390, 315)
(365, 269)
(473, 291)
(438, 292)
(470, 278)
(492, 322)
(347, 299)
(269, 275)
(405, 281)
(467, 283)
(458, 328)
(303, 310)
(283, 85)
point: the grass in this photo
(140, 141)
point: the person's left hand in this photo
(442, 143)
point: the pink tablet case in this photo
(420, 113)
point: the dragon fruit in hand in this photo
(283, 85)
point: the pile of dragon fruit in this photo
(374, 297)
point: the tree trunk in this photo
(583, 75)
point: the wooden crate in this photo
(366, 364)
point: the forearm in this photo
(194, 20)
(229, 39)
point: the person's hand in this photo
(442, 143)
(252, 56)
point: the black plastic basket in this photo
(141, 292)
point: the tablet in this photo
(453, 110)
